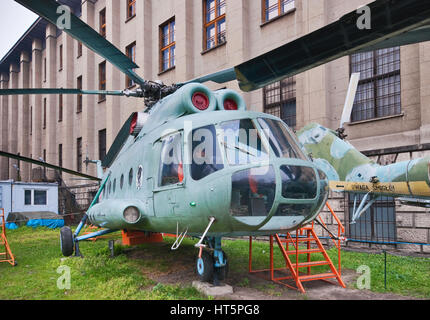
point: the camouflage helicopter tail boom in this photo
(351, 171)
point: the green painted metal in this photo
(47, 165)
(5, 92)
(340, 161)
(189, 204)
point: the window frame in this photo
(131, 4)
(214, 22)
(373, 80)
(34, 197)
(102, 80)
(160, 168)
(170, 44)
(285, 98)
(80, 96)
(60, 107)
(129, 83)
(79, 154)
(102, 23)
(264, 10)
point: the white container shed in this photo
(28, 197)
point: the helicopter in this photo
(196, 162)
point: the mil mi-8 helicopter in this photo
(196, 162)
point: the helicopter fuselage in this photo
(262, 195)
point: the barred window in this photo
(276, 8)
(214, 23)
(280, 100)
(378, 223)
(167, 45)
(379, 90)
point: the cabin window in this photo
(130, 177)
(379, 89)
(121, 181)
(280, 100)
(242, 142)
(171, 164)
(139, 177)
(206, 154)
(214, 23)
(280, 139)
(40, 197)
(167, 45)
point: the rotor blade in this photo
(5, 92)
(218, 77)
(79, 30)
(350, 98)
(389, 19)
(47, 165)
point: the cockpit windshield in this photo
(280, 139)
(242, 142)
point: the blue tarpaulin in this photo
(11, 226)
(52, 224)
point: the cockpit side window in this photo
(280, 139)
(242, 142)
(206, 154)
(171, 163)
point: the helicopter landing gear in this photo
(212, 264)
(66, 241)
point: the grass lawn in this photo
(100, 277)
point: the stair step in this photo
(303, 251)
(311, 264)
(300, 240)
(319, 276)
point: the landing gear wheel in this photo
(66, 241)
(205, 267)
(223, 271)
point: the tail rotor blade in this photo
(350, 98)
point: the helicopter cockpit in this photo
(272, 180)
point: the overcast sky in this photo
(14, 21)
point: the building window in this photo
(102, 80)
(102, 20)
(60, 108)
(79, 49)
(61, 57)
(276, 8)
(44, 70)
(131, 53)
(79, 154)
(102, 144)
(44, 113)
(79, 86)
(379, 90)
(40, 197)
(60, 155)
(131, 9)
(214, 32)
(167, 45)
(378, 223)
(280, 100)
(31, 120)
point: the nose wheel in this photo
(212, 264)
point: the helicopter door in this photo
(169, 189)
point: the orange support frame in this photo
(6, 256)
(304, 235)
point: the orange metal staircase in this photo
(304, 242)
(6, 256)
